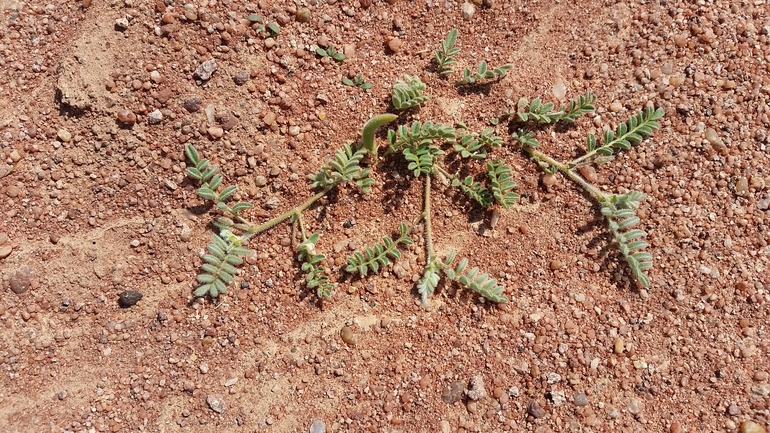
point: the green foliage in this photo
(218, 269)
(526, 138)
(344, 168)
(444, 55)
(482, 283)
(380, 255)
(621, 218)
(474, 146)
(407, 93)
(539, 112)
(419, 134)
(482, 73)
(358, 81)
(429, 280)
(311, 265)
(421, 158)
(475, 190)
(627, 134)
(274, 29)
(501, 178)
(330, 52)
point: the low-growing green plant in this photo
(330, 51)
(482, 73)
(429, 150)
(445, 55)
(227, 247)
(618, 209)
(407, 93)
(358, 81)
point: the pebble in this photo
(395, 44)
(589, 173)
(734, 409)
(635, 406)
(534, 409)
(303, 15)
(476, 390)
(616, 106)
(21, 279)
(580, 399)
(5, 251)
(13, 191)
(241, 78)
(192, 104)
(751, 427)
(549, 180)
(206, 69)
(713, 138)
(186, 233)
(216, 132)
(129, 298)
(556, 264)
(126, 117)
(453, 393)
(260, 180)
(347, 336)
(61, 395)
(216, 402)
(155, 117)
(64, 135)
(468, 9)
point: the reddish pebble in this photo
(126, 117)
(86, 4)
(395, 44)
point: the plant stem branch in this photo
(564, 168)
(295, 211)
(426, 216)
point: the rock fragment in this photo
(206, 69)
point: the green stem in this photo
(564, 168)
(587, 156)
(301, 226)
(426, 216)
(295, 211)
(367, 134)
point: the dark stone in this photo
(534, 409)
(453, 393)
(241, 78)
(193, 104)
(129, 298)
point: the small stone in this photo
(126, 117)
(155, 117)
(269, 118)
(64, 135)
(395, 44)
(534, 409)
(318, 427)
(557, 398)
(186, 233)
(21, 279)
(549, 180)
(5, 251)
(206, 69)
(580, 399)
(216, 402)
(303, 15)
(713, 138)
(13, 191)
(734, 409)
(121, 23)
(751, 427)
(619, 346)
(347, 336)
(4, 238)
(135, 243)
(294, 130)
(453, 393)
(216, 132)
(129, 298)
(468, 9)
(742, 185)
(192, 104)
(241, 78)
(616, 106)
(476, 390)
(635, 406)
(260, 180)
(589, 173)
(61, 395)
(556, 264)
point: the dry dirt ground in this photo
(95, 207)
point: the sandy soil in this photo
(94, 206)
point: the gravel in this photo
(216, 403)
